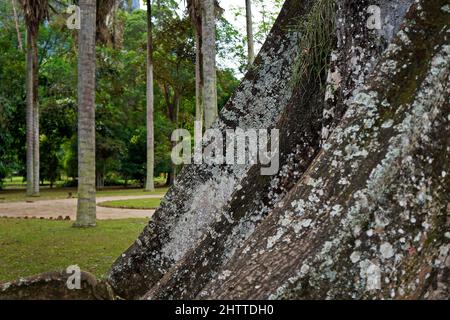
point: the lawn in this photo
(29, 247)
(63, 193)
(132, 204)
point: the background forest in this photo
(120, 87)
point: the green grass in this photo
(29, 247)
(14, 181)
(63, 193)
(132, 204)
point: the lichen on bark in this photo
(368, 218)
(256, 104)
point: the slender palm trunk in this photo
(86, 212)
(198, 79)
(29, 114)
(177, 126)
(196, 20)
(36, 157)
(250, 40)
(150, 186)
(16, 20)
(209, 63)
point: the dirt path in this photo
(68, 207)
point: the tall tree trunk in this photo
(177, 126)
(16, 20)
(198, 78)
(209, 62)
(32, 114)
(195, 14)
(250, 40)
(29, 113)
(36, 155)
(34, 12)
(86, 212)
(202, 190)
(150, 186)
(359, 224)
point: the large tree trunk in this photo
(150, 186)
(250, 40)
(86, 211)
(369, 217)
(194, 203)
(209, 62)
(375, 195)
(300, 142)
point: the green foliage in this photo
(316, 31)
(269, 13)
(12, 96)
(120, 92)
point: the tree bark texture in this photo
(209, 97)
(150, 186)
(369, 217)
(300, 127)
(86, 211)
(250, 38)
(195, 202)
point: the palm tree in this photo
(35, 12)
(150, 186)
(250, 41)
(195, 14)
(203, 14)
(209, 62)
(16, 20)
(86, 211)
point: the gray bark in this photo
(250, 38)
(369, 217)
(32, 115)
(209, 97)
(195, 202)
(86, 211)
(29, 113)
(300, 142)
(150, 186)
(36, 142)
(198, 80)
(195, 14)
